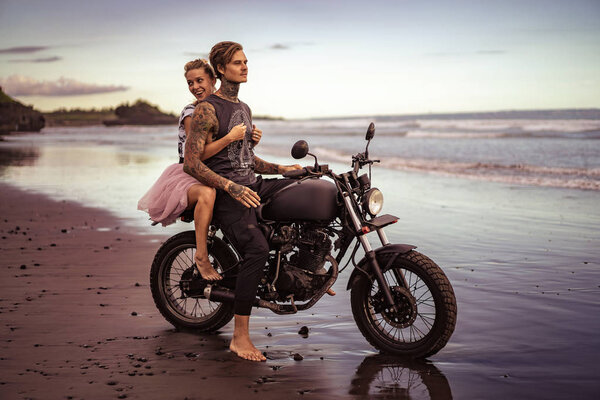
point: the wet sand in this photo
(78, 321)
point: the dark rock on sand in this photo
(303, 332)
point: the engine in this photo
(303, 249)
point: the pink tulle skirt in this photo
(167, 198)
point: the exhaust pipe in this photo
(219, 294)
(223, 295)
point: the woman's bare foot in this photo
(243, 347)
(206, 269)
(330, 292)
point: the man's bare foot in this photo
(206, 269)
(244, 348)
(330, 292)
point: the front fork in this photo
(371, 256)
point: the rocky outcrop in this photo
(140, 113)
(16, 117)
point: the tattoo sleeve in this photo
(204, 123)
(263, 167)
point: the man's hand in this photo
(244, 195)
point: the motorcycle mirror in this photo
(300, 149)
(370, 132)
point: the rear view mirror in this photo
(370, 132)
(300, 149)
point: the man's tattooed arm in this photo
(263, 167)
(204, 123)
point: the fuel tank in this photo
(311, 199)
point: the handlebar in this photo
(307, 171)
(361, 159)
(296, 173)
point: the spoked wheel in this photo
(425, 313)
(173, 274)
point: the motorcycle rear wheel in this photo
(427, 315)
(172, 260)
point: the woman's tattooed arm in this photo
(205, 123)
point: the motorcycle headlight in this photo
(373, 201)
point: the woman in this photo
(175, 190)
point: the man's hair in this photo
(221, 54)
(199, 63)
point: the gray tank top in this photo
(236, 161)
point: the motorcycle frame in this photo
(359, 223)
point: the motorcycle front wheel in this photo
(173, 264)
(426, 306)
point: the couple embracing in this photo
(217, 140)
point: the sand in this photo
(78, 320)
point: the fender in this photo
(388, 249)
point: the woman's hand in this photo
(256, 134)
(236, 133)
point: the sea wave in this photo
(442, 128)
(519, 174)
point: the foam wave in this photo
(518, 174)
(442, 129)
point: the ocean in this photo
(508, 204)
(543, 148)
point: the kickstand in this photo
(291, 297)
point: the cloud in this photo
(467, 53)
(18, 85)
(491, 52)
(196, 55)
(36, 60)
(23, 49)
(283, 46)
(279, 46)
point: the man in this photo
(232, 173)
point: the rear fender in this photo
(388, 249)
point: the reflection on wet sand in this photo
(386, 377)
(10, 156)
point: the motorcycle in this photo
(402, 301)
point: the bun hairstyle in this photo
(221, 54)
(199, 63)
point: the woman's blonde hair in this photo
(199, 63)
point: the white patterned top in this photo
(187, 112)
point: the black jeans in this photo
(239, 225)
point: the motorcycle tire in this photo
(427, 315)
(174, 258)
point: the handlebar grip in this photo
(296, 173)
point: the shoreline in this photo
(78, 320)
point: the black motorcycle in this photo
(401, 300)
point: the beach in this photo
(78, 320)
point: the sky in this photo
(308, 58)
